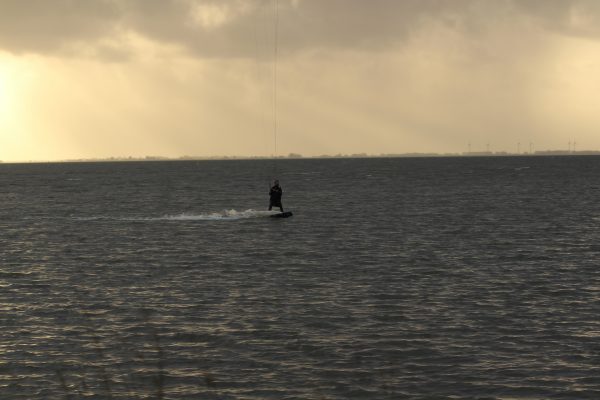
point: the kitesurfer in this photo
(275, 196)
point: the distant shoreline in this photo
(294, 156)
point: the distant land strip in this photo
(339, 155)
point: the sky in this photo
(119, 78)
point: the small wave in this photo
(89, 218)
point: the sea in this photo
(396, 278)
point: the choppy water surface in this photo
(396, 278)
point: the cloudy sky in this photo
(101, 78)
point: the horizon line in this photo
(296, 156)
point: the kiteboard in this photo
(285, 214)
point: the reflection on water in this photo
(472, 278)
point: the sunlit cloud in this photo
(182, 77)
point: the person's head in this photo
(276, 183)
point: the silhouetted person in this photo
(275, 196)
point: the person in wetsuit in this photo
(275, 196)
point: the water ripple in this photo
(462, 279)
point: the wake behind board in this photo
(285, 214)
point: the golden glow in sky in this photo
(7, 91)
(121, 78)
(3, 91)
(14, 86)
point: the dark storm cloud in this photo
(568, 17)
(241, 27)
(46, 26)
